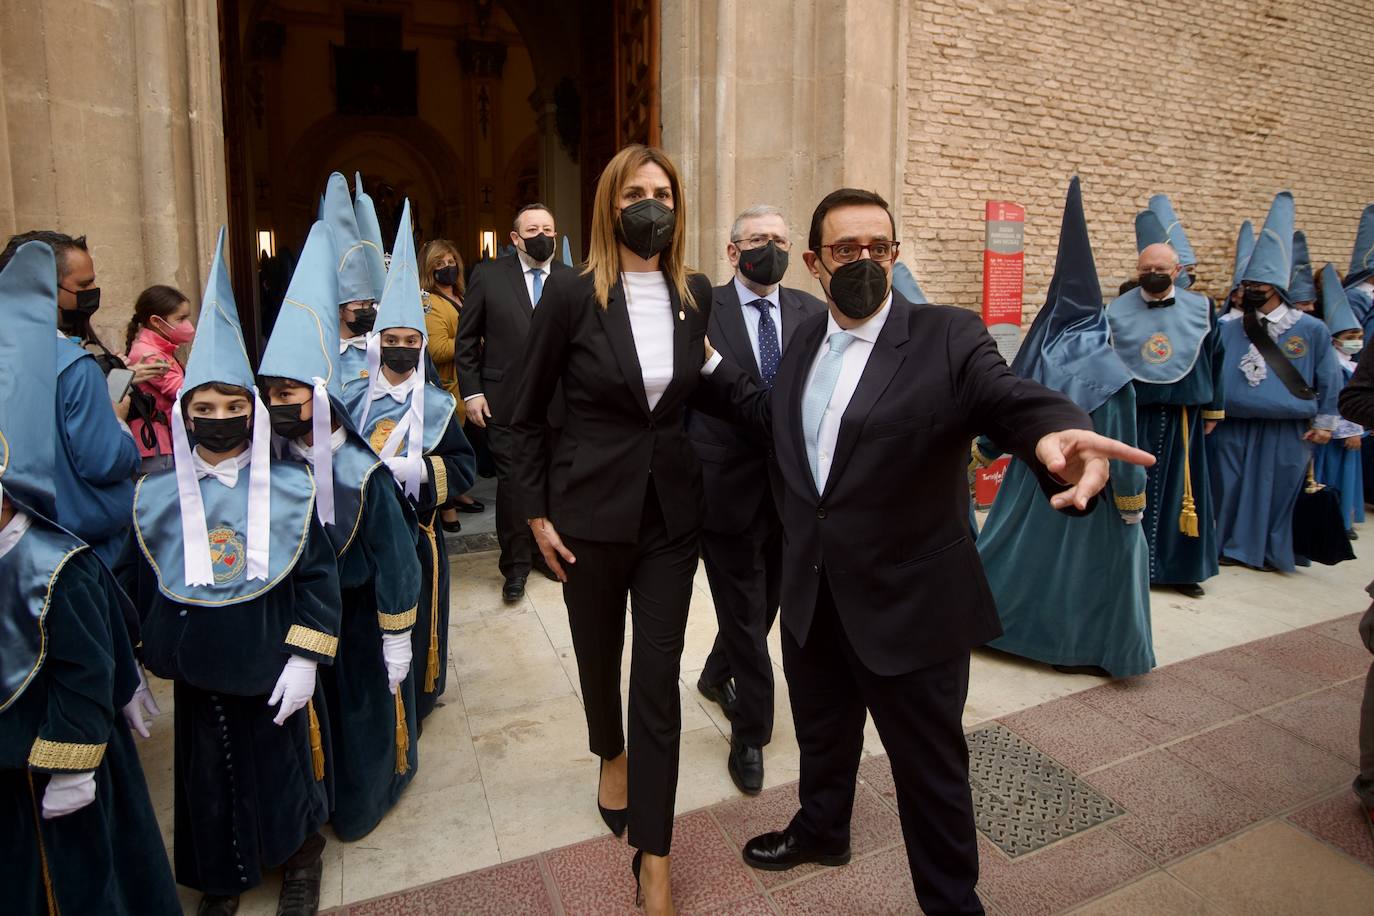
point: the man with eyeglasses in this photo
(883, 596)
(753, 319)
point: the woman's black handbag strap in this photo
(1274, 358)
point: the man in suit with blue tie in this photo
(883, 597)
(753, 319)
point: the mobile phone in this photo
(119, 382)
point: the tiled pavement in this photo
(1218, 763)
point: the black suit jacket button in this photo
(820, 513)
(816, 568)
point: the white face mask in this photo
(1350, 347)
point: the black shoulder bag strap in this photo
(1274, 358)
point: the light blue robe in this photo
(1342, 468)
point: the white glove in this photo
(396, 651)
(1132, 518)
(294, 688)
(68, 792)
(142, 702)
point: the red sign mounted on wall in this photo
(1004, 272)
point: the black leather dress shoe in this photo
(722, 693)
(513, 590)
(217, 905)
(779, 851)
(746, 767)
(1191, 589)
(300, 891)
(474, 507)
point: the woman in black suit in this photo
(616, 506)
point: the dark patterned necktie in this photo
(769, 354)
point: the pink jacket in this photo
(163, 390)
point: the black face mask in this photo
(1155, 282)
(74, 320)
(363, 320)
(400, 359)
(764, 265)
(646, 227)
(1252, 299)
(287, 422)
(539, 247)
(221, 434)
(859, 288)
(445, 276)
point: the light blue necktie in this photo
(817, 397)
(538, 284)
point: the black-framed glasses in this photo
(849, 252)
(758, 241)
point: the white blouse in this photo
(651, 323)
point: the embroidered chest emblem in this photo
(380, 433)
(1295, 347)
(1157, 349)
(227, 558)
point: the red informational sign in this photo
(1004, 272)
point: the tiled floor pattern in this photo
(1231, 773)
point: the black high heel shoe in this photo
(616, 819)
(634, 866)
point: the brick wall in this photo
(1008, 98)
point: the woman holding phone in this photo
(616, 505)
(161, 324)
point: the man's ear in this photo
(811, 260)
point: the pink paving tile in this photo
(1174, 808)
(1300, 650)
(872, 827)
(878, 884)
(1262, 761)
(1078, 736)
(1158, 706)
(515, 887)
(595, 876)
(1248, 681)
(1058, 876)
(1339, 821)
(1330, 719)
(1343, 629)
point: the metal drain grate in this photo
(1023, 800)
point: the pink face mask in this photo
(183, 332)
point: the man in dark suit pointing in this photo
(871, 415)
(753, 320)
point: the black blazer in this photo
(891, 531)
(737, 464)
(490, 346)
(593, 485)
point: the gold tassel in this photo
(316, 742)
(402, 735)
(1187, 519)
(432, 658)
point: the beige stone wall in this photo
(1007, 99)
(110, 127)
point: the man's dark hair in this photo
(61, 244)
(845, 197)
(515, 223)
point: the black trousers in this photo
(745, 572)
(919, 717)
(657, 573)
(512, 533)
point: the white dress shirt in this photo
(226, 472)
(651, 324)
(306, 452)
(398, 392)
(528, 267)
(12, 532)
(751, 316)
(854, 359)
(359, 342)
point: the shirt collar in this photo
(153, 339)
(1167, 295)
(226, 472)
(397, 393)
(360, 342)
(1278, 314)
(527, 264)
(301, 450)
(747, 295)
(868, 330)
(12, 532)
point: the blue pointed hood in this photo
(218, 353)
(370, 230)
(1271, 260)
(1301, 285)
(305, 340)
(1068, 347)
(1245, 243)
(1164, 209)
(1361, 304)
(904, 282)
(28, 381)
(567, 252)
(1362, 255)
(1149, 231)
(400, 304)
(1336, 310)
(355, 281)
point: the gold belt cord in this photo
(316, 743)
(432, 659)
(402, 735)
(1187, 519)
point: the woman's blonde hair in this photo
(603, 260)
(434, 253)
